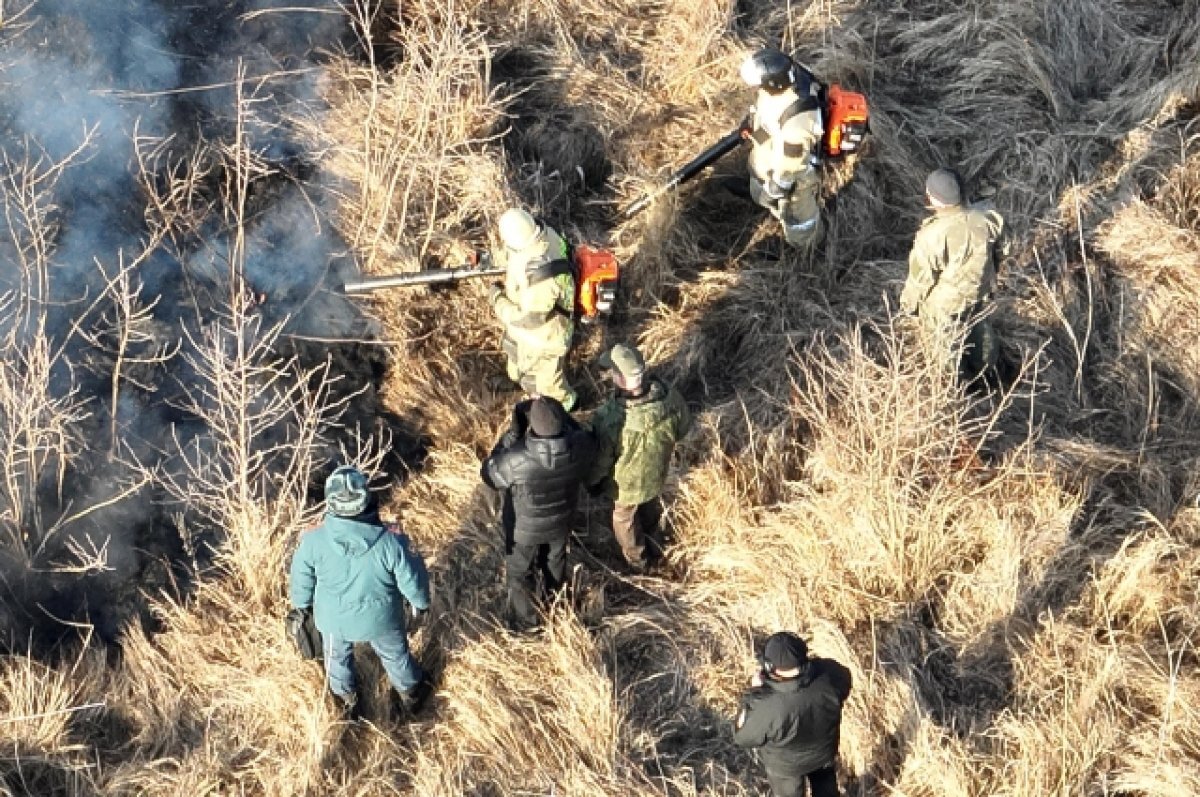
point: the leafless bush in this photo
(41, 409)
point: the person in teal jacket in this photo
(355, 574)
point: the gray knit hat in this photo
(944, 186)
(625, 360)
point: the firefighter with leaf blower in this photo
(795, 125)
(785, 133)
(547, 286)
(535, 304)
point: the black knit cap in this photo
(785, 651)
(544, 418)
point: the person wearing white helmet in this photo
(785, 134)
(536, 305)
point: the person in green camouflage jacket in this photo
(951, 274)
(536, 305)
(637, 429)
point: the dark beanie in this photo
(943, 185)
(544, 420)
(785, 651)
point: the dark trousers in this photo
(523, 565)
(823, 783)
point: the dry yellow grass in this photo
(1012, 580)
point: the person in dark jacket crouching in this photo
(793, 717)
(539, 464)
(355, 573)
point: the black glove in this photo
(746, 126)
(303, 632)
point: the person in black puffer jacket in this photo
(539, 464)
(793, 717)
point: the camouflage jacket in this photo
(952, 264)
(637, 436)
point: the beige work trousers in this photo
(539, 376)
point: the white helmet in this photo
(518, 229)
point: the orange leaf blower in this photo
(846, 121)
(595, 270)
(596, 278)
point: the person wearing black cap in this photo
(951, 274)
(359, 576)
(792, 716)
(539, 464)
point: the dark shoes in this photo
(517, 624)
(652, 559)
(639, 567)
(412, 701)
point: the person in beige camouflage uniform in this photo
(951, 274)
(536, 305)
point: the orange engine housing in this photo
(596, 278)
(846, 126)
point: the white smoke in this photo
(81, 79)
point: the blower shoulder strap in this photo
(801, 105)
(550, 269)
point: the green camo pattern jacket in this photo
(637, 437)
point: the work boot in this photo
(412, 701)
(651, 561)
(638, 567)
(521, 625)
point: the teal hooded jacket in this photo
(356, 574)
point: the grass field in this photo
(1012, 579)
